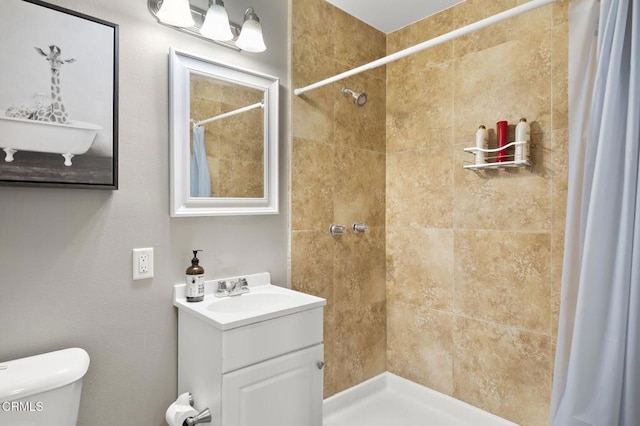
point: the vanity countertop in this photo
(263, 302)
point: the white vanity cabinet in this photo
(284, 391)
(261, 368)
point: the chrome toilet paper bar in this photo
(182, 413)
(203, 416)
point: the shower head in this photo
(359, 98)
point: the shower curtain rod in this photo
(228, 114)
(534, 4)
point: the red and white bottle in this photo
(501, 134)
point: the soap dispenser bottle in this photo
(195, 280)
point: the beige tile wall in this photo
(338, 176)
(474, 259)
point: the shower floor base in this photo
(391, 400)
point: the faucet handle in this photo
(243, 284)
(337, 229)
(359, 227)
(222, 289)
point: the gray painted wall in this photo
(65, 254)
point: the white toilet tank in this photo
(42, 390)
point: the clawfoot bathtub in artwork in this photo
(69, 139)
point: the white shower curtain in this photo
(200, 177)
(597, 368)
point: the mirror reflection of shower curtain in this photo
(200, 177)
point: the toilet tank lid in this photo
(24, 377)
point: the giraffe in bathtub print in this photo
(54, 112)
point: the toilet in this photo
(42, 390)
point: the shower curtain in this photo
(200, 177)
(597, 367)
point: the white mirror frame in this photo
(181, 64)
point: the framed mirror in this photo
(224, 138)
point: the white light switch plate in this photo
(142, 263)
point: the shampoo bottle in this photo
(501, 134)
(523, 134)
(195, 280)
(482, 142)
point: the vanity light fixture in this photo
(212, 25)
(176, 13)
(250, 38)
(216, 22)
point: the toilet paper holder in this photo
(203, 416)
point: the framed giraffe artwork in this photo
(58, 97)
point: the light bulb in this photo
(176, 13)
(216, 24)
(250, 38)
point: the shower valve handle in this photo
(359, 227)
(337, 229)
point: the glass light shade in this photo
(176, 13)
(250, 38)
(216, 24)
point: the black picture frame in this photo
(77, 151)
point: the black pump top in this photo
(195, 259)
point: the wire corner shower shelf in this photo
(501, 158)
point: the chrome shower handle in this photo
(337, 229)
(359, 227)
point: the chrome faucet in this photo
(235, 287)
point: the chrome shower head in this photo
(359, 98)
